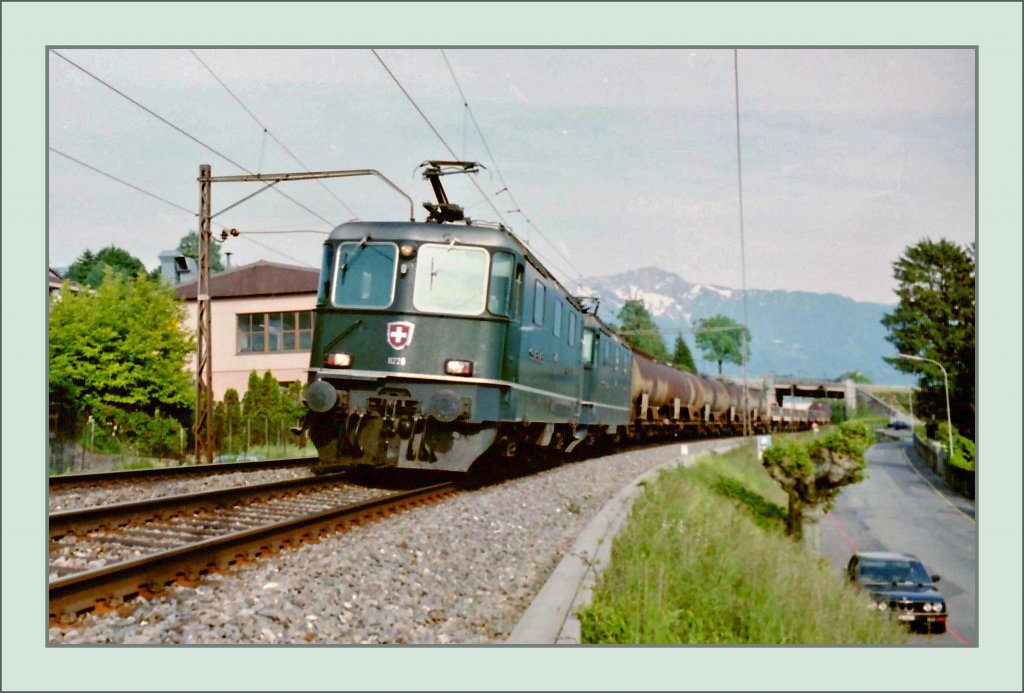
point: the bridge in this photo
(778, 387)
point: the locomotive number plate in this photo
(396, 360)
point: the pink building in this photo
(261, 319)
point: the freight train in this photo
(436, 342)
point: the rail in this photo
(188, 470)
(149, 575)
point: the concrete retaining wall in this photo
(956, 479)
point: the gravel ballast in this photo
(93, 496)
(460, 571)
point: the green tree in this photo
(123, 352)
(88, 269)
(812, 474)
(189, 247)
(635, 317)
(719, 343)
(681, 356)
(934, 319)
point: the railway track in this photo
(193, 470)
(106, 555)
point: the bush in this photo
(963, 448)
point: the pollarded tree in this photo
(812, 474)
(681, 356)
(635, 318)
(720, 339)
(935, 320)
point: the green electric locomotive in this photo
(435, 341)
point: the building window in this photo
(267, 332)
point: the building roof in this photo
(257, 279)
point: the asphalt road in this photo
(903, 506)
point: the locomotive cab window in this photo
(364, 276)
(588, 347)
(450, 279)
(502, 265)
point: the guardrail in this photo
(956, 479)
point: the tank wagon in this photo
(437, 341)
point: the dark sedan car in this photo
(901, 588)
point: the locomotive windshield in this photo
(450, 280)
(364, 275)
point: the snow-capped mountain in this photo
(792, 332)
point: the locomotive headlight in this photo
(927, 606)
(339, 360)
(938, 607)
(321, 397)
(882, 606)
(457, 367)
(407, 250)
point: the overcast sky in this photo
(619, 158)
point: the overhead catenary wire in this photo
(183, 132)
(268, 133)
(456, 156)
(497, 169)
(183, 208)
(123, 182)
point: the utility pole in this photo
(204, 365)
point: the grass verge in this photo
(704, 559)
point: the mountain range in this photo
(792, 333)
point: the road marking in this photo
(956, 634)
(842, 533)
(940, 494)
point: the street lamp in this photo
(945, 385)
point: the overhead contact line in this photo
(272, 136)
(186, 134)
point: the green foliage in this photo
(634, 317)
(963, 448)
(88, 269)
(813, 472)
(266, 414)
(122, 351)
(702, 559)
(65, 419)
(790, 458)
(935, 319)
(228, 425)
(838, 411)
(189, 247)
(722, 346)
(855, 376)
(681, 356)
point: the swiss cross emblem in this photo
(400, 334)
